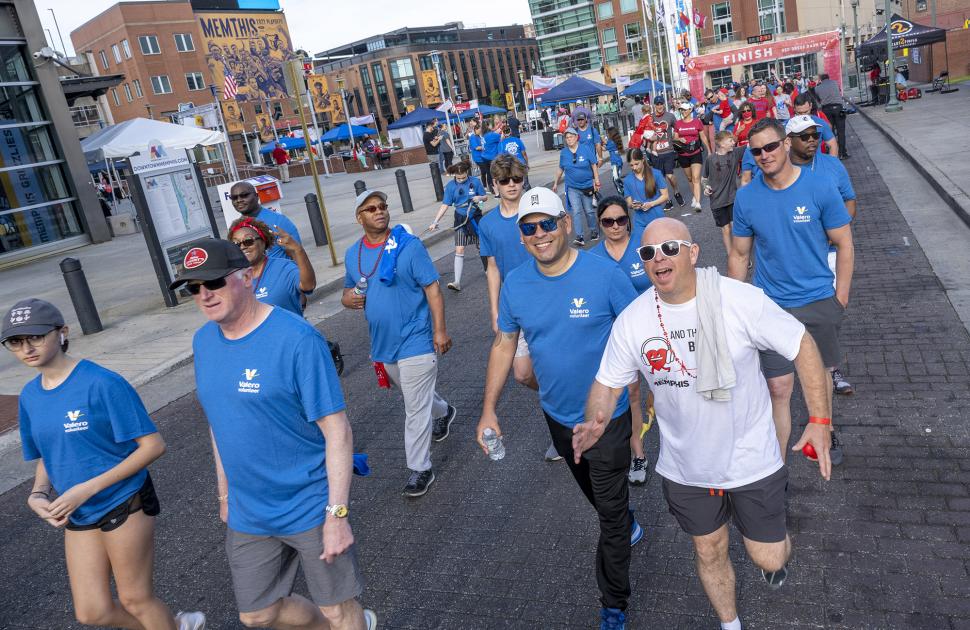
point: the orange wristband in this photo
(815, 420)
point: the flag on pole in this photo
(229, 87)
(699, 19)
(541, 85)
(446, 106)
(660, 9)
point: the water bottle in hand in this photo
(496, 449)
(361, 287)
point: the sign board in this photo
(267, 187)
(760, 39)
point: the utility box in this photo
(122, 224)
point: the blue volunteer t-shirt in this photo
(589, 138)
(578, 166)
(566, 320)
(630, 262)
(636, 189)
(475, 141)
(490, 142)
(826, 133)
(262, 396)
(514, 147)
(278, 220)
(82, 428)
(398, 316)
(279, 285)
(459, 195)
(616, 159)
(789, 229)
(499, 236)
(831, 166)
(748, 163)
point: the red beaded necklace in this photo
(663, 329)
(376, 262)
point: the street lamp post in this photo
(350, 128)
(892, 105)
(855, 48)
(436, 60)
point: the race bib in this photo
(662, 145)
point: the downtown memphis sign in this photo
(827, 43)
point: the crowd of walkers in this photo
(718, 356)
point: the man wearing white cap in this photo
(565, 302)
(390, 276)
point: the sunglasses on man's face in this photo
(768, 148)
(505, 180)
(548, 225)
(244, 195)
(668, 248)
(211, 285)
(620, 221)
(807, 136)
(381, 206)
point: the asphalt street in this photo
(510, 544)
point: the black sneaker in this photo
(679, 198)
(595, 236)
(835, 452)
(840, 385)
(439, 426)
(775, 579)
(579, 241)
(669, 205)
(418, 483)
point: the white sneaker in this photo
(638, 471)
(370, 619)
(696, 205)
(552, 455)
(190, 621)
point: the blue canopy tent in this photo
(485, 110)
(343, 133)
(288, 143)
(575, 88)
(420, 116)
(646, 86)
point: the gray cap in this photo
(571, 130)
(31, 317)
(367, 194)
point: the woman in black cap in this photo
(93, 440)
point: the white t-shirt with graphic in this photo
(705, 443)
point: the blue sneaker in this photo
(636, 532)
(612, 619)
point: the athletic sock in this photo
(459, 266)
(731, 625)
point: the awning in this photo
(906, 34)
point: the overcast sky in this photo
(317, 25)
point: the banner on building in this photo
(249, 47)
(509, 101)
(232, 114)
(429, 87)
(325, 101)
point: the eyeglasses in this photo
(807, 136)
(548, 225)
(609, 222)
(667, 248)
(34, 341)
(210, 285)
(245, 195)
(768, 148)
(246, 242)
(505, 180)
(381, 206)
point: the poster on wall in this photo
(232, 114)
(429, 87)
(324, 101)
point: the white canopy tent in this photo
(133, 136)
(409, 136)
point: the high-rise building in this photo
(567, 35)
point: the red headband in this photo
(248, 223)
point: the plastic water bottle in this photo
(496, 449)
(361, 287)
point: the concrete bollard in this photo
(403, 190)
(439, 189)
(80, 292)
(359, 186)
(316, 219)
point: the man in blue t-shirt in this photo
(564, 302)
(794, 214)
(390, 276)
(282, 445)
(588, 135)
(246, 202)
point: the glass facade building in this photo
(566, 32)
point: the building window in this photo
(612, 54)
(634, 48)
(104, 59)
(116, 52)
(920, 5)
(114, 95)
(128, 96)
(628, 6)
(604, 10)
(771, 16)
(195, 81)
(426, 62)
(126, 48)
(149, 45)
(138, 91)
(760, 71)
(609, 35)
(720, 78)
(721, 22)
(161, 84)
(631, 30)
(184, 43)
(402, 77)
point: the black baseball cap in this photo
(659, 101)
(209, 259)
(30, 317)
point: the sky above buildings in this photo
(317, 25)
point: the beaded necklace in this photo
(376, 262)
(663, 329)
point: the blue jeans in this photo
(580, 204)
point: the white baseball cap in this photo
(542, 201)
(367, 194)
(800, 123)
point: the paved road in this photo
(511, 544)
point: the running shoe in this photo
(679, 199)
(612, 619)
(669, 205)
(636, 532)
(579, 241)
(418, 483)
(552, 455)
(439, 428)
(835, 452)
(638, 471)
(454, 287)
(775, 579)
(190, 621)
(595, 236)
(696, 205)
(370, 619)
(840, 385)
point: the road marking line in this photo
(906, 241)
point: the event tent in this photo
(133, 136)
(906, 34)
(484, 110)
(646, 86)
(408, 128)
(288, 143)
(342, 133)
(575, 88)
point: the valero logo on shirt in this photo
(578, 311)
(195, 257)
(261, 293)
(248, 386)
(800, 215)
(636, 270)
(74, 422)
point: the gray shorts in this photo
(264, 569)
(823, 320)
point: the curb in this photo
(932, 179)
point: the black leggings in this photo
(486, 168)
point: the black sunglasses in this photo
(210, 285)
(808, 135)
(246, 242)
(609, 222)
(768, 148)
(505, 180)
(548, 225)
(667, 248)
(244, 195)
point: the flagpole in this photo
(646, 36)
(662, 52)
(222, 122)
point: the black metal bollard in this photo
(80, 292)
(316, 219)
(439, 189)
(359, 186)
(403, 190)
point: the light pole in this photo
(855, 48)
(892, 105)
(436, 60)
(64, 48)
(350, 128)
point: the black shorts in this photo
(723, 215)
(686, 160)
(664, 162)
(144, 499)
(758, 509)
(823, 320)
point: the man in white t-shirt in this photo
(718, 458)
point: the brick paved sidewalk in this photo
(510, 544)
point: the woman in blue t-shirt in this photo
(614, 146)
(464, 192)
(283, 282)
(621, 242)
(93, 441)
(490, 145)
(645, 189)
(577, 162)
